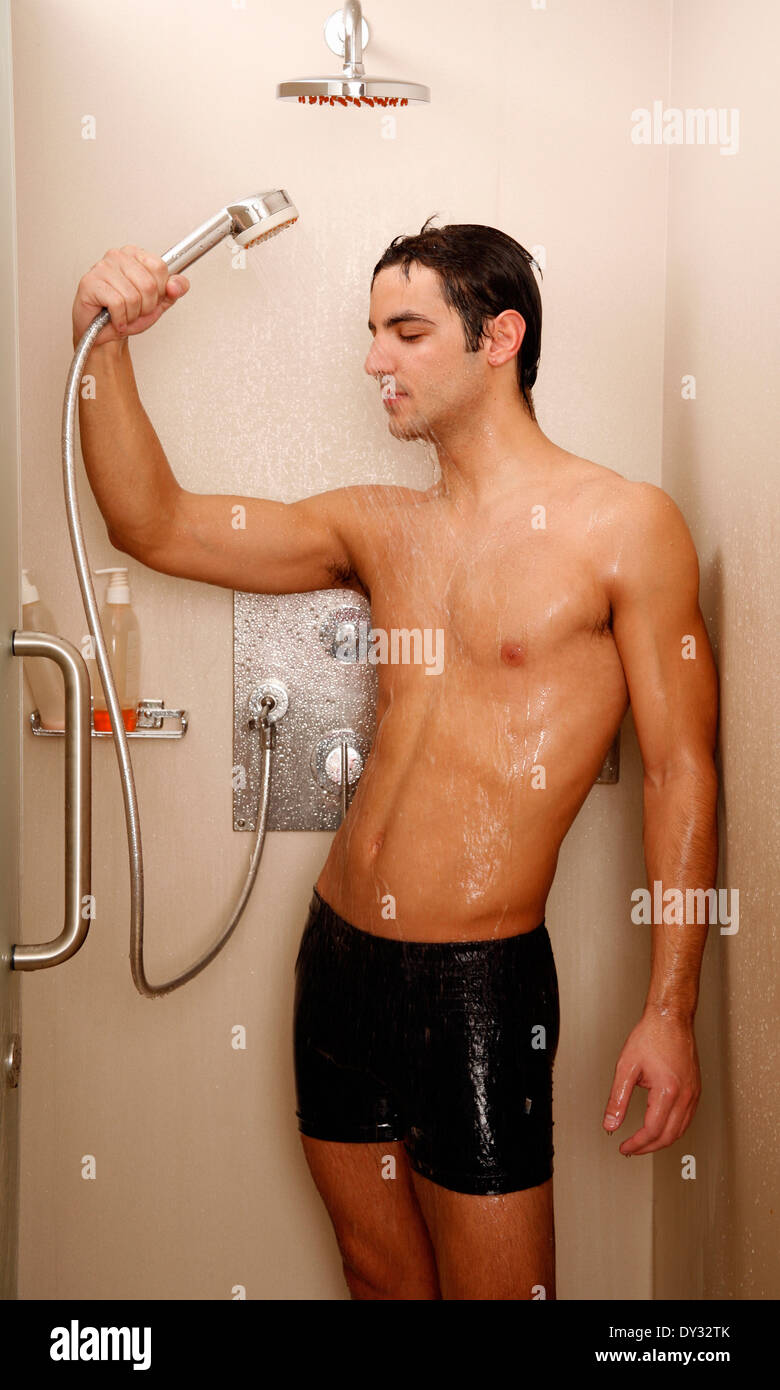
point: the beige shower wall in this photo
(255, 384)
(10, 678)
(716, 1236)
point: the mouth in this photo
(390, 390)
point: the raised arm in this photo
(672, 681)
(247, 543)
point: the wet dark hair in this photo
(482, 272)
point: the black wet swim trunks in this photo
(448, 1046)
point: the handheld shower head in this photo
(249, 221)
(258, 218)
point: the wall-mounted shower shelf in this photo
(149, 722)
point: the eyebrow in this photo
(407, 317)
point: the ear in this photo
(505, 335)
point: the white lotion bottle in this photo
(123, 640)
(42, 677)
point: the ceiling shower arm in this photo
(353, 39)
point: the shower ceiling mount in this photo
(347, 34)
(336, 33)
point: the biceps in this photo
(672, 682)
(252, 544)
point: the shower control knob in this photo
(273, 690)
(333, 765)
(327, 759)
(340, 633)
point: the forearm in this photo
(681, 852)
(127, 469)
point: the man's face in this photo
(426, 376)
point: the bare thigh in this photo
(384, 1242)
(499, 1247)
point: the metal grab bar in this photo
(78, 799)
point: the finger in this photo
(154, 265)
(660, 1104)
(139, 286)
(689, 1114)
(622, 1088)
(672, 1131)
(168, 284)
(178, 284)
(112, 274)
(107, 296)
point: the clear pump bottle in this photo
(123, 640)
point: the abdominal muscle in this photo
(450, 835)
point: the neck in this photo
(483, 458)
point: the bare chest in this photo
(500, 601)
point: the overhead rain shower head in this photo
(347, 34)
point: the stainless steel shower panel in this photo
(294, 639)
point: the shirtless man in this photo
(426, 1009)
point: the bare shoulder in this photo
(651, 520)
(648, 541)
(357, 517)
(637, 509)
(360, 500)
(637, 529)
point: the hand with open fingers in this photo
(660, 1055)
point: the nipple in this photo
(512, 652)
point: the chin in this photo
(408, 429)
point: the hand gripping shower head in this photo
(249, 221)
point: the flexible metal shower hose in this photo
(267, 731)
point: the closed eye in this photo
(410, 337)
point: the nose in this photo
(377, 361)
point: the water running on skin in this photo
(475, 774)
